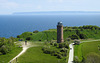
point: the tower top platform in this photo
(60, 24)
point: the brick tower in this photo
(60, 32)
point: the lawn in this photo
(85, 48)
(36, 55)
(6, 58)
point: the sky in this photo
(11, 6)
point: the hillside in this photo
(82, 32)
(87, 54)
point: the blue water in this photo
(13, 25)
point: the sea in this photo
(13, 25)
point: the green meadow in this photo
(36, 55)
(6, 58)
(82, 50)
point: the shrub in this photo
(61, 45)
(40, 40)
(63, 50)
(59, 56)
(67, 46)
(55, 44)
(18, 36)
(28, 38)
(4, 49)
(36, 31)
(55, 54)
(83, 36)
(76, 42)
(68, 39)
(46, 43)
(51, 43)
(46, 50)
(31, 34)
(74, 37)
(64, 54)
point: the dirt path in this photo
(25, 47)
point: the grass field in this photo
(85, 48)
(36, 55)
(6, 58)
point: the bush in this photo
(59, 56)
(4, 49)
(63, 50)
(36, 31)
(18, 36)
(46, 50)
(64, 54)
(67, 46)
(28, 38)
(68, 39)
(55, 44)
(74, 37)
(61, 45)
(55, 54)
(6, 45)
(40, 40)
(76, 42)
(46, 43)
(83, 36)
(51, 43)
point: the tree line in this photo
(6, 45)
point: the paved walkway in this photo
(71, 53)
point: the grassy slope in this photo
(6, 58)
(36, 55)
(78, 51)
(86, 48)
(90, 47)
(52, 34)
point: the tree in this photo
(4, 49)
(74, 37)
(83, 36)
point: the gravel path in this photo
(25, 47)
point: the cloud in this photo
(39, 7)
(60, 1)
(5, 4)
